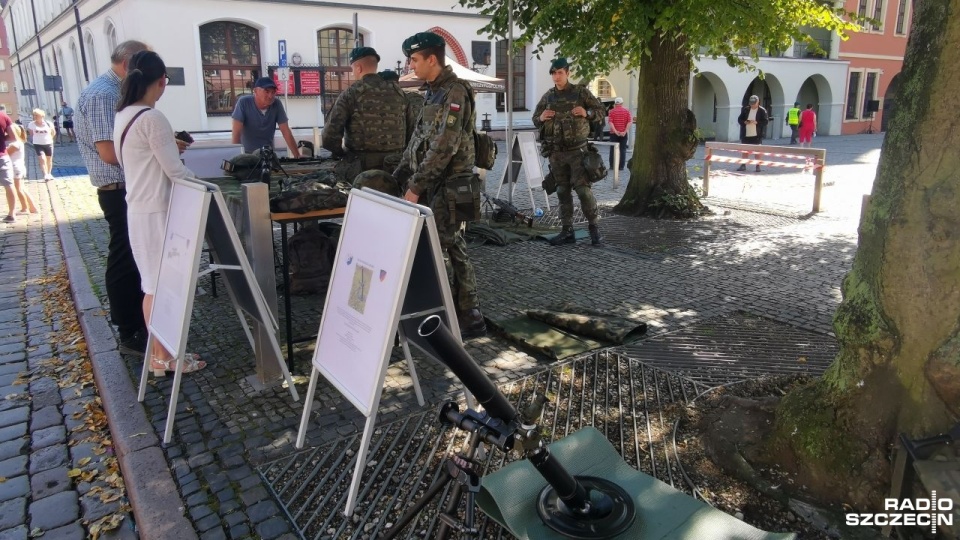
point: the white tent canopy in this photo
(480, 82)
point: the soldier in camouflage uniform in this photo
(442, 150)
(565, 115)
(371, 119)
(415, 99)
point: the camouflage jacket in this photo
(442, 143)
(373, 115)
(565, 131)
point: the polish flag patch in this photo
(455, 107)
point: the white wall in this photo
(785, 78)
(172, 29)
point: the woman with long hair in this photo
(150, 158)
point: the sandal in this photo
(161, 367)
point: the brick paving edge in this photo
(157, 506)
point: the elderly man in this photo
(370, 120)
(96, 108)
(256, 118)
(753, 124)
(620, 120)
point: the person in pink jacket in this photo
(808, 125)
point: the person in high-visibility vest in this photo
(793, 120)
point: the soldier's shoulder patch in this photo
(454, 107)
(451, 120)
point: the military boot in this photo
(595, 237)
(566, 236)
(472, 324)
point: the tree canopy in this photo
(603, 36)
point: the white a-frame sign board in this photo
(388, 275)
(198, 211)
(524, 152)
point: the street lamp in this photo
(399, 69)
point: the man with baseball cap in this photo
(256, 118)
(438, 163)
(370, 120)
(620, 120)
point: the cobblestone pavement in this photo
(754, 255)
(54, 465)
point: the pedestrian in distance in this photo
(66, 111)
(43, 133)
(257, 116)
(17, 150)
(565, 116)
(149, 154)
(753, 125)
(6, 167)
(793, 121)
(620, 120)
(439, 157)
(808, 126)
(96, 109)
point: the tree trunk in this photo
(898, 369)
(665, 127)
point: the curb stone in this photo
(157, 507)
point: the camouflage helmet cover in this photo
(377, 180)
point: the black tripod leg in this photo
(408, 516)
(443, 531)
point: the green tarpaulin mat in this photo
(543, 338)
(580, 234)
(509, 497)
(565, 330)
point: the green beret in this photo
(361, 52)
(559, 63)
(389, 75)
(422, 40)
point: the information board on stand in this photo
(199, 212)
(524, 153)
(388, 274)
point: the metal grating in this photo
(735, 347)
(633, 404)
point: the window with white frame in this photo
(878, 12)
(91, 53)
(4, 87)
(111, 37)
(863, 85)
(3, 65)
(853, 95)
(903, 18)
(875, 10)
(869, 93)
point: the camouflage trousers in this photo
(460, 272)
(567, 169)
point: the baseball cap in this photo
(618, 100)
(265, 82)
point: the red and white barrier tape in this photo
(744, 161)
